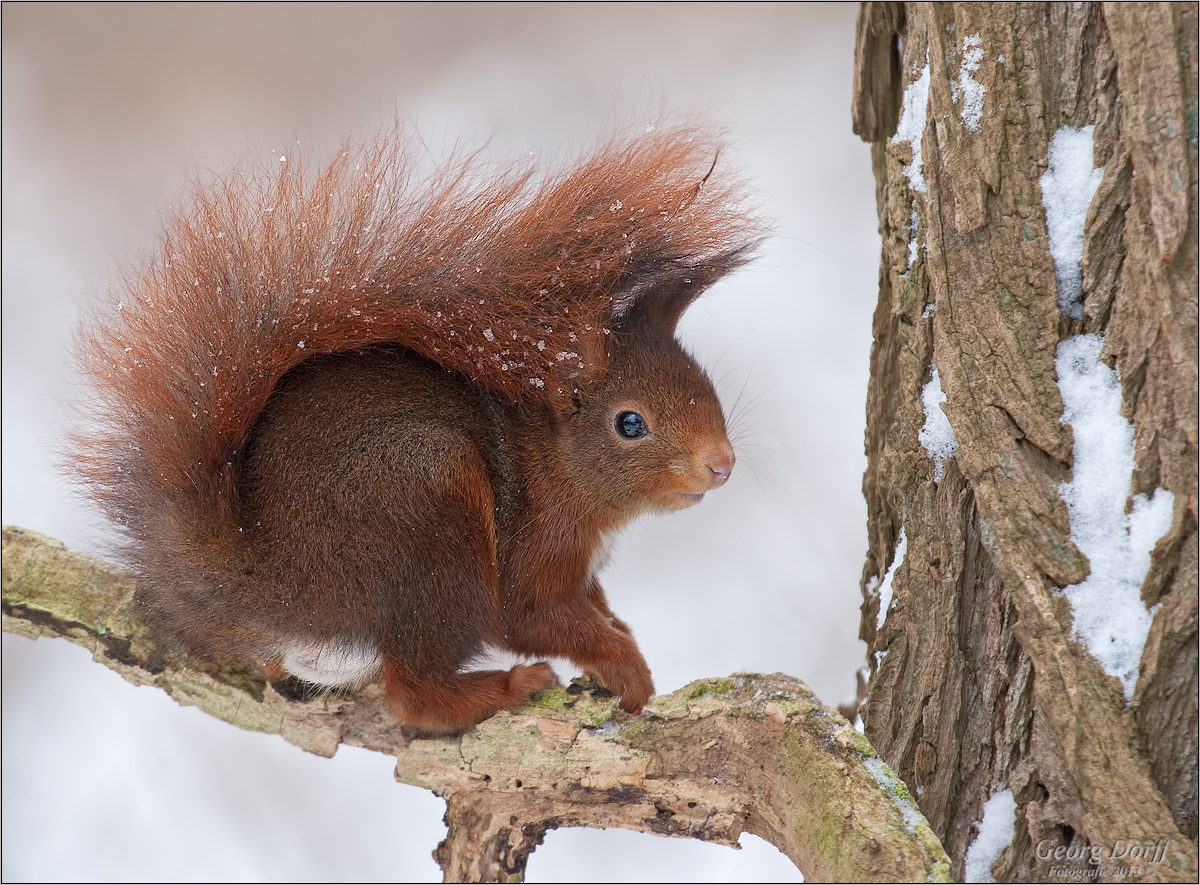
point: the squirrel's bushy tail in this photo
(512, 281)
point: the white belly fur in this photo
(346, 663)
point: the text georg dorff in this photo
(1121, 850)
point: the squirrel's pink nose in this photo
(720, 464)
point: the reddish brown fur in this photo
(428, 472)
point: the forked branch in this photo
(709, 761)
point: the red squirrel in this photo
(352, 426)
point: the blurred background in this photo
(109, 110)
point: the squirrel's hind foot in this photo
(452, 704)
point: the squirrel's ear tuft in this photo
(660, 293)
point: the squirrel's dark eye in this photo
(631, 425)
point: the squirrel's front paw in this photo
(631, 682)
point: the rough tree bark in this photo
(718, 757)
(977, 683)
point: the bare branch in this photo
(710, 761)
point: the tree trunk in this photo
(984, 677)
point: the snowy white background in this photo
(105, 111)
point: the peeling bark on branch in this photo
(978, 682)
(717, 758)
